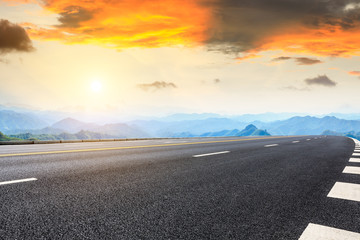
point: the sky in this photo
(159, 57)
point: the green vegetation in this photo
(3, 137)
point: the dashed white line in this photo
(308, 139)
(271, 145)
(357, 160)
(347, 191)
(352, 170)
(209, 154)
(320, 232)
(18, 181)
(295, 141)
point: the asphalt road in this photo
(202, 188)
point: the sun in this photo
(96, 86)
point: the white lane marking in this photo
(347, 191)
(356, 154)
(320, 232)
(18, 181)
(295, 141)
(308, 139)
(271, 145)
(209, 154)
(354, 160)
(352, 170)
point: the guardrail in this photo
(25, 142)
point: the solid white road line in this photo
(347, 191)
(352, 170)
(18, 181)
(354, 160)
(319, 232)
(209, 154)
(295, 141)
(271, 145)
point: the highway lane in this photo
(223, 189)
(40, 148)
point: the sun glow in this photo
(96, 86)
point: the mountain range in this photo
(179, 125)
(250, 130)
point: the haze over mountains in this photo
(180, 125)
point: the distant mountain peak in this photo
(67, 120)
(250, 126)
(73, 125)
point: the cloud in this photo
(298, 60)
(5, 61)
(321, 80)
(282, 58)
(72, 16)
(312, 27)
(355, 73)
(293, 88)
(306, 61)
(13, 38)
(248, 56)
(127, 23)
(156, 85)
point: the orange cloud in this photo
(248, 56)
(307, 27)
(127, 23)
(355, 73)
(321, 42)
(16, 2)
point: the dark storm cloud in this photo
(242, 25)
(156, 85)
(321, 80)
(13, 38)
(72, 16)
(298, 60)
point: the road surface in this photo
(276, 188)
